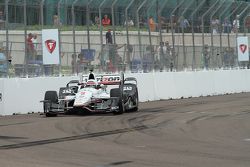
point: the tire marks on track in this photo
(71, 138)
(202, 117)
(13, 124)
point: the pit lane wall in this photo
(22, 95)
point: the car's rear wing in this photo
(106, 79)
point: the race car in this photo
(94, 93)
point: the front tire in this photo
(51, 98)
(50, 114)
(117, 93)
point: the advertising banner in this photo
(50, 43)
(243, 50)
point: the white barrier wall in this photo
(158, 86)
(22, 95)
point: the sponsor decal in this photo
(50, 45)
(243, 48)
(108, 80)
(127, 88)
(66, 91)
(83, 93)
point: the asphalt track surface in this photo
(195, 132)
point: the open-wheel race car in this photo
(94, 93)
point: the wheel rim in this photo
(46, 107)
(130, 104)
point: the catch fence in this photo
(147, 35)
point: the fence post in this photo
(100, 17)
(211, 31)
(183, 36)
(87, 14)
(202, 23)
(7, 32)
(243, 11)
(59, 33)
(128, 57)
(160, 25)
(59, 10)
(172, 30)
(73, 27)
(228, 33)
(220, 18)
(149, 31)
(159, 18)
(193, 40)
(126, 18)
(244, 22)
(138, 25)
(41, 13)
(25, 35)
(113, 19)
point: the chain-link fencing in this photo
(146, 35)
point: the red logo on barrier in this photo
(50, 45)
(243, 48)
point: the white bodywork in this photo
(85, 96)
(89, 93)
(69, 97)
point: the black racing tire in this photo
(52, 97)
(50, 114)
(46, 107)
(136, 108)
(121, 108)
(117, 93)
(133, 95)
(137, 101)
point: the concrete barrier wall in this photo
(22, 95)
